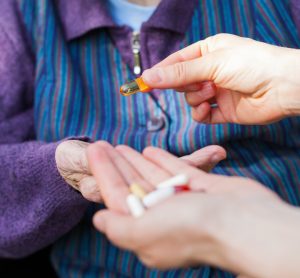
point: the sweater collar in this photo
(79, 17)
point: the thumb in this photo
(196, 63)
(183, 73)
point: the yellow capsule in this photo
(137, 190)
(134, 86)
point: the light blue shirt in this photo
(126, 13)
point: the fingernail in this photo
(152, 76)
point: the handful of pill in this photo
(139, 200)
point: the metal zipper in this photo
(136, 49)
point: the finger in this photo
(89, 189)
(191, 88)
(176, 166)
(188, 53)
(202, 48)
(112, 185)
(206, 158)
(119, 228)
(195, 98)
(195, 87)
(183, 73)
(148, 170)
(127, 170)
(197, 63)
(209, 116)
(202, 114)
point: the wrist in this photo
(289, 85)
(268, 244)
(209, 238)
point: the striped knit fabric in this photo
(76, 93)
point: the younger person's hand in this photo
(231, 222)
(115, 169)
(249, 81)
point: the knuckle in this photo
(220, 36)
(214, 41)
(180, 71)
(180, 56)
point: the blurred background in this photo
(35, 266)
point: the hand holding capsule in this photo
(251, 82)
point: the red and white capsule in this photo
(162, 194)
(174, 181)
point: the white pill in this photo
(158, 196)
(135, 205)
(175, 181)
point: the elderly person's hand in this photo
(249, 81)
(72, 164)
(230, 222)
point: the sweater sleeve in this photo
(36, 205)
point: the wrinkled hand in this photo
(72, 164)
(234, 223)
(251, 82)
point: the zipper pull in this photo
(136, 49)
